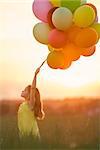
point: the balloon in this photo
(41, 8)
(89, 51)
(96, 26)
(55, 60)
(62, 18)
(71, 52)
(96, 20)
(57, 39)
(72, 32)
(67, 63)
(55, 3)
(86, 38)
(41, 32)
(91, 5)
(49, 16)
(84, 16)
(72, 5)
(51, 49)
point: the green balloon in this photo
(96, 26)
(71, 4)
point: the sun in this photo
(79, 74)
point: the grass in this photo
(69, 126)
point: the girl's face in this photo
(25, 93)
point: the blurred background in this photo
(71, 97)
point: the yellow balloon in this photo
(41, 32)
(55, 3)
(84, 16)
(96, 26)
(51, 49)
(55, 60)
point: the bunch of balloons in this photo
(69, 28)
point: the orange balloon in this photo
(72, 32)
(86, 38)
(57, 38)
(89, 51)
(49, 17)
(72, 52)
(67, 63)
(55, 60)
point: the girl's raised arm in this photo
(33, 87)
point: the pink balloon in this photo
(41, 8)
(57, 38)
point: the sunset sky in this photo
(21, 54)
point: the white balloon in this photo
(62, 18)
(41, 32)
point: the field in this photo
(68, 124)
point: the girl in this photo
(30, 110)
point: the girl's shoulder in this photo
(23, 106)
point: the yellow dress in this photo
(27, 123)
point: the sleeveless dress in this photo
(27, 123)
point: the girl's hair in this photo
(28, 88)
(38, 106)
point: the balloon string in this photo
(42, 63)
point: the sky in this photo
(21, 54)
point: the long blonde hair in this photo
(38, 106)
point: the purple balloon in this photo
(41, 8)
(96, 20)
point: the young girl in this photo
(30, 110)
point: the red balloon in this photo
(57, 39)
(49, 17)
